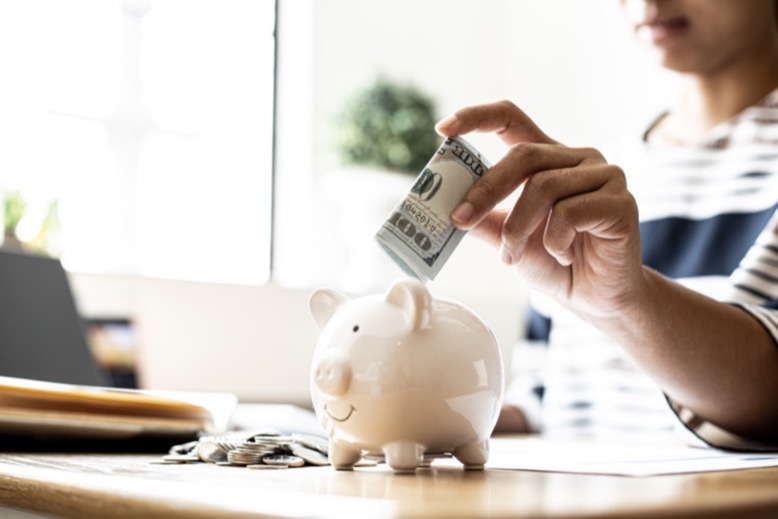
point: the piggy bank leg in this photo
(404, 456)
(343, 458)
(473, 455)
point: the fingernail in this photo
(448, 122)
(463, 213)
(505, 255)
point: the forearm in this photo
(711, 357)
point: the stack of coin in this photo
(264, 450)
(250, 453)
(283, 460)
(214, 449)
(259, 450)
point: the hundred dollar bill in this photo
(419, 235)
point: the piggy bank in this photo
(405, 376)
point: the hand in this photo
(511, 421)
(573, 232)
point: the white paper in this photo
(590, 457)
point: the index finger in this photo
(503, 118)
(521, 162)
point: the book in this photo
(33, 408)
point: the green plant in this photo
(390, 126)
(14, 208)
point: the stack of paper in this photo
(45, 409)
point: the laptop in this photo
(41, 333)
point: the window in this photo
(149, 125)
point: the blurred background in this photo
(200, 166)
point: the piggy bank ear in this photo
(323, 304)
(416, 302)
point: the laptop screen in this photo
(41, 334)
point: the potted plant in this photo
(389, 126)
(14, 207)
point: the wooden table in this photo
(127, 485)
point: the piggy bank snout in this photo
(332, 374)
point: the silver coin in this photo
(184, 448)
(256, 447)
(243, 459)
(283, 459)
(241, 454)
(313, 442)
(272, 441)
(266, 467)
(271, 438)
(436, 455)
(209, 451)
(311, 456)
(180, 458)
(229, 442)
(163, 462)
(374, 456)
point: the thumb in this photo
(490, 228)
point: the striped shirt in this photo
(708, 220)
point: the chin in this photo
(678, 61)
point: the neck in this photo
(716, 96)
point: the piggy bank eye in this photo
(355, 328)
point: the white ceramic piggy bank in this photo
(402, 374)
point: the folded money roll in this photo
(419, 235)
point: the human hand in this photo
(511, 420)
(573, 232)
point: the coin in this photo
(250, 446)
(374, 456)
(313, 442)
(240, 458)
(281, 459)
(210, 451)
(272, 437)
(184, 448)
(436, 455)
(180, 458)
(311, 456)
(264, 449)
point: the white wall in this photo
(572, 65)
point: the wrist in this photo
(631, 308)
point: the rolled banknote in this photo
(419, 235)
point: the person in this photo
(658, 271)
